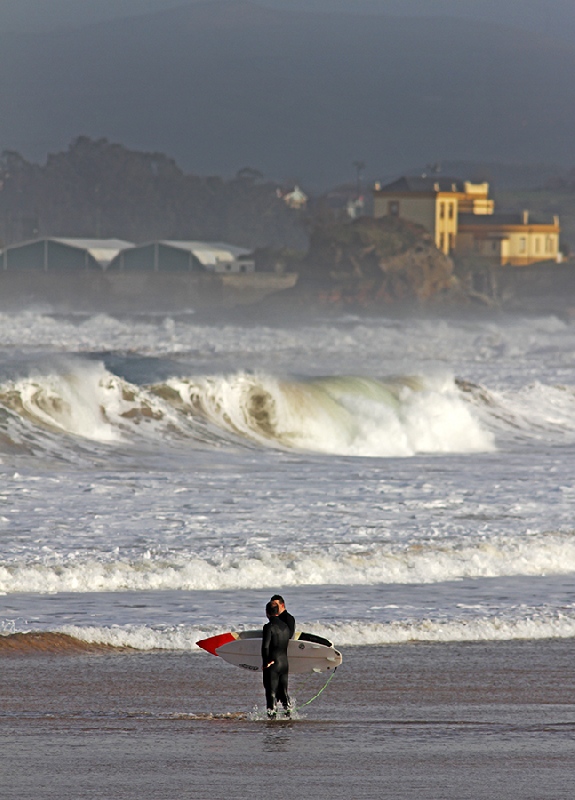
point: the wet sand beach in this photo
(475, 721)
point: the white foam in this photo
(361, 418)
(534, 412)
(422, 562)
(526, 624)
(529, 625)
(251, 520)
(340, 416)
(377, 340)
(84, 399)
(141, 637)
(73, 400)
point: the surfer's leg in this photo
(282, 691)
(271, 687)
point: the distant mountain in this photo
(301, 96)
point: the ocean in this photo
(407, 485)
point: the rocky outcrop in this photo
(369, 263)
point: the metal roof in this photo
(101, 250)
(209, 253)
(104, 251)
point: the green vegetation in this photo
(381, 238)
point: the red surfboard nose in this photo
(212, 644)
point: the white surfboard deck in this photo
(302, 656)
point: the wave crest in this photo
(525, 623)
(343, 415)
(338, 415)
(424, 562)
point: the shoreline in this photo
(276, 299)
(475, 721)
(482, 673)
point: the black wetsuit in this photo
(275, 639)
(286, 617)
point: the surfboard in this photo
(306, 652)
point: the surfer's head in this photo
(280, 602)
(272, 609)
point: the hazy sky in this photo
(298, 96)
(554, 17)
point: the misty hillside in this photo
(300, 96)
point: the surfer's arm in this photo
(266, 641)
(289, 621)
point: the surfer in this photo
(283, 614)
(275, 640)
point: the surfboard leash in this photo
(297, 708)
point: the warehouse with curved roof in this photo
(184, 256)
(63, 254)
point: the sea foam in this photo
(423, 562)
(527, 623)
(344, 415)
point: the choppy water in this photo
(395, 480)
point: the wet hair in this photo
(272, 609)
(278, 598)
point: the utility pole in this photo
(359, 167)
(355, 208)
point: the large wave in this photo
(82, 402)
(343, 415)
(338, 415)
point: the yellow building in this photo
(460, 216)
(433, 202)
(509, 238)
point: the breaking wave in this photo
(424, 562)
(523, 623)
(344, 415)
(82, 406)
(339, 415)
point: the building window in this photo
(393, 208)
(523, 245)
(537, 244)
(549, 244)
(441, 241)
(451, 241)
(442, 211)
(451, 210)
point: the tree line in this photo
(98, 189)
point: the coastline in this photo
(272, 298)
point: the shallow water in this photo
(477, 720)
